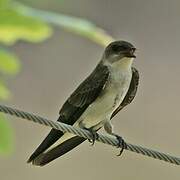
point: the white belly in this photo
(110, 98)
(102, 108)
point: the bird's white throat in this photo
(123, 64)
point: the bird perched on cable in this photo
(109, 88)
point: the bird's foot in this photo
(121, 144)
(94, 135)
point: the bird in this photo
(110, 87)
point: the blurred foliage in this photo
(9, 63)
(20, 22)
(4, 3)
(15, 26)
(6, 136)
(4, 92)
(75, 25)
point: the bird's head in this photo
(119, 50)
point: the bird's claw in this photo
(121, 144)
(94, 135)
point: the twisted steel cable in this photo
(86, 134)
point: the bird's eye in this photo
(116, 48)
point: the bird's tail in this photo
(42, 155)
(59, 150)
(51, 138)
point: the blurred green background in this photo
(35, 57)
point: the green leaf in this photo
(6, 136)
(76, 25)
(4, 3)
(4, 92)
(14, 26)
(9, 63)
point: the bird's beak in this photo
(131, 53)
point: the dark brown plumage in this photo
(81, 98)
(72, 110)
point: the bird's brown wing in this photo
(131, 91)
(72, 109)
(84, 95)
